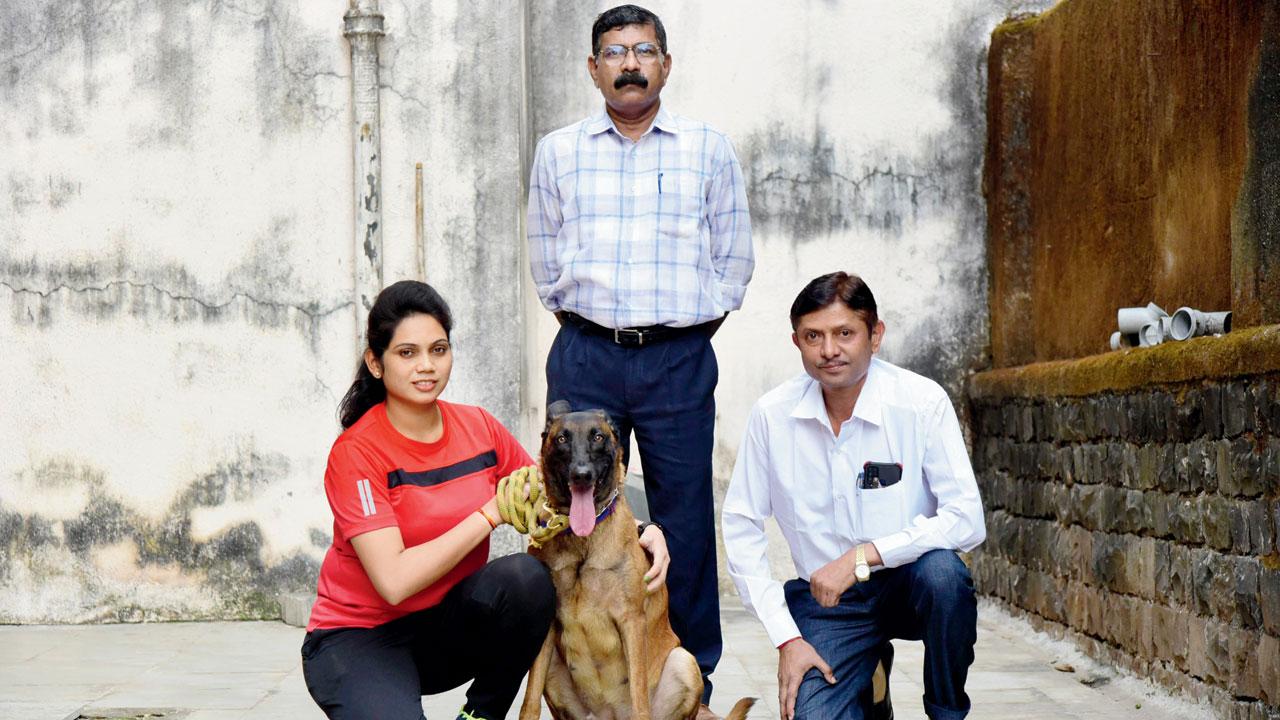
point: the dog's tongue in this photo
(582, 511)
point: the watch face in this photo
(862, 572)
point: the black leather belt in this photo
(630, 337)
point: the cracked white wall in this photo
(176, 265)
(176, 281)
(175, 301)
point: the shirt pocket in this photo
(881, 511)
(680, 205)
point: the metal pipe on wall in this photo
(362, 28)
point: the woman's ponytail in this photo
(365, 392)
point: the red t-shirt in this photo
(379, 478)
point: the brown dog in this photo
(611, 653)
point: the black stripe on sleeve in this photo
(427, 478)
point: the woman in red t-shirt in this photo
(406, 604)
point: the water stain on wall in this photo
(557, 66)
(167, 66)
(486, 293)
(798, 185)
(804, 188)
(22, 537)
(292, 76)
(32, 31)
(1255, 259)
(319, 538)
(104, 521)
(953, 342)
(238, 480)
(485, 306)
(229, 565)
(54, 191)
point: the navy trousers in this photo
(931, 599)
(665, 393)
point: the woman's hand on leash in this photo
(513, 494)
(795, 657)
(655, 543)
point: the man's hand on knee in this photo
(795, 657)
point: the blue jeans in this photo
(665, 392)
(931, 599)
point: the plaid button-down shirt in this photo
(629, 234)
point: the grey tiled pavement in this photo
(251, 670)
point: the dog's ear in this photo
(554, 410)
(557, 408)
(613, 427)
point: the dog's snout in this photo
(580, 474)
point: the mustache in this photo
(631, 78)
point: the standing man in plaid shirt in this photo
(640, 243)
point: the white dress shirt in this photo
(793, 467)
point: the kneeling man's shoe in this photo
(882, 709)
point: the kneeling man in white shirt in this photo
(863, 465)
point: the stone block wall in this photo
(1143, 519)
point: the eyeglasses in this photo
(615, 54)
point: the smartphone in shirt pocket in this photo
(880, 499)
(876, 475)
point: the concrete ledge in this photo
(295, 608)
(1252, 351)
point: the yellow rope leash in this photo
(523, 513)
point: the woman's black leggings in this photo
(488, 628)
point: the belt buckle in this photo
(618, 336)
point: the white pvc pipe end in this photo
(1189, 322)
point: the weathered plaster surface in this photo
(452, 101)
(176, 275)
(1255, 221)
(175, 303)
(176, 255)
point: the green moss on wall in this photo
(1018, 23)
(1253, 351)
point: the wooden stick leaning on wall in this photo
(419, 228)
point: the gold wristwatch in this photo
(861, 570)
